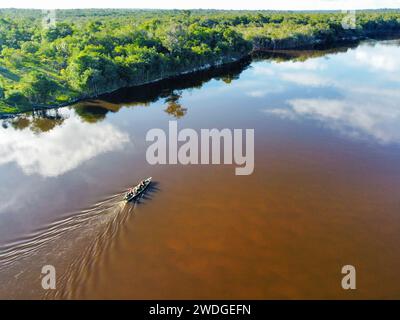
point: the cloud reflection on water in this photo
(365, 102)
(384, 58)
(61, 149)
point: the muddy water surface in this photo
(325, 191)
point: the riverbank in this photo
(260, 53)
(86, 58)
(212, 69)
(317, 43)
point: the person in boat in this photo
(139, 187)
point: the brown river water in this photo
(325, 191)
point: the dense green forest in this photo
(85, 53)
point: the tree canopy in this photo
(89, 52)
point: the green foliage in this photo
(16, 99)
(29, 47)
(61, 30)
(37, 87)
(89, 52)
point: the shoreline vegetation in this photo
(89, 53)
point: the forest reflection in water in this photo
(95, 110)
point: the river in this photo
(325, 191)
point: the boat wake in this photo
(83, 265)
(74, 245)
(70, 244)
(25, 246)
